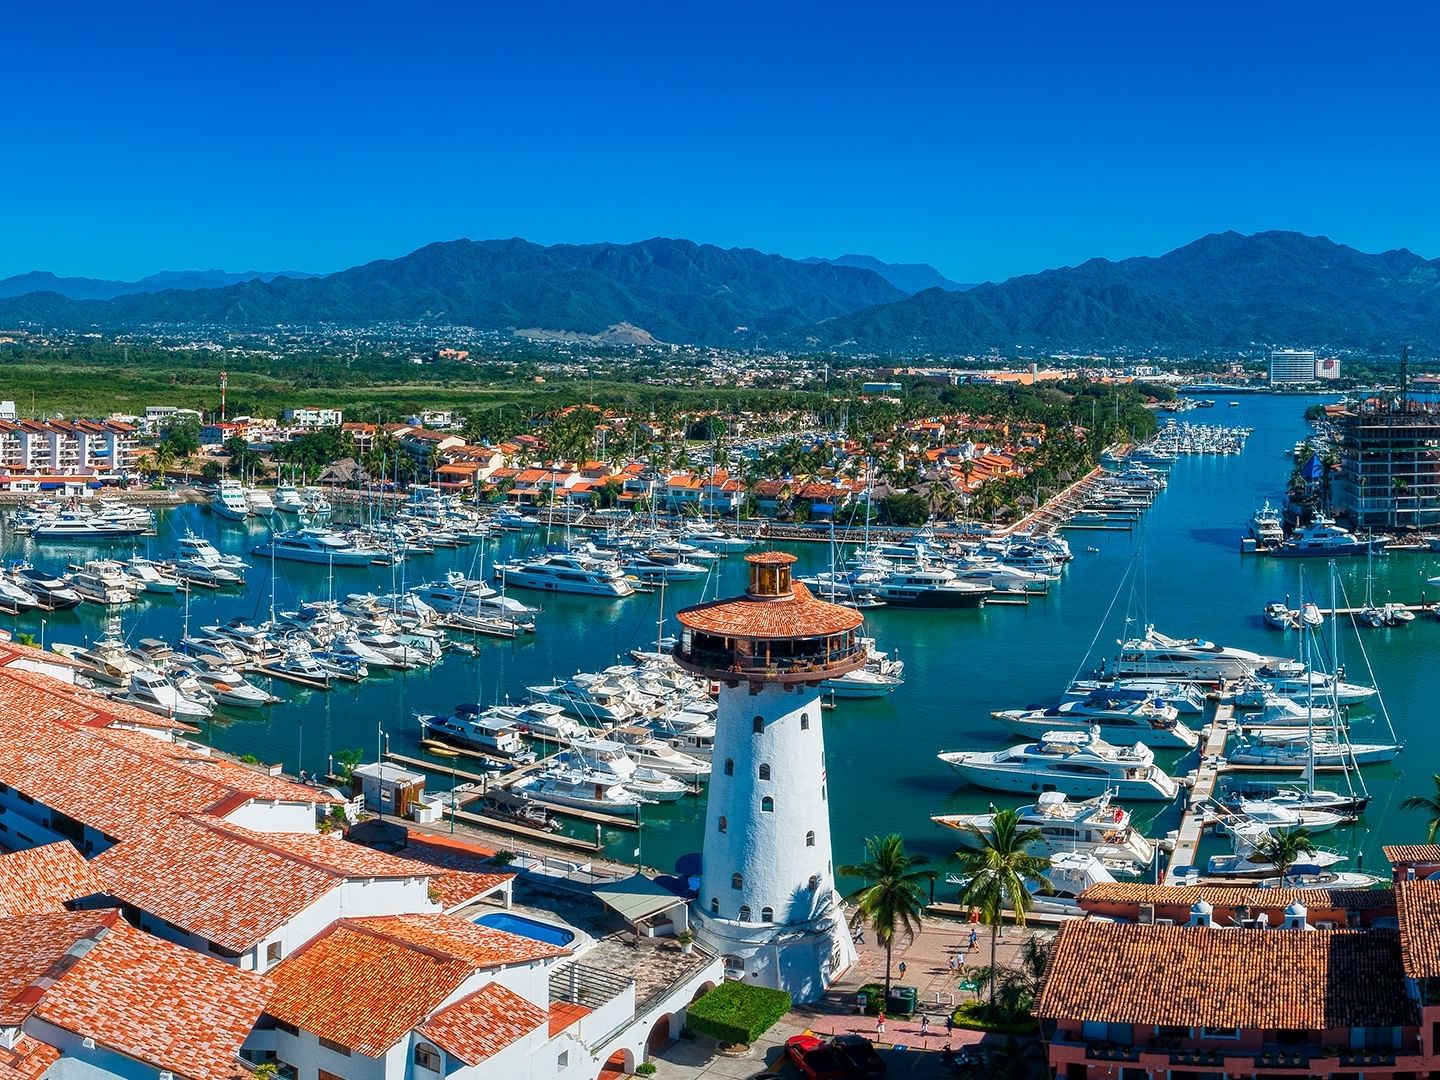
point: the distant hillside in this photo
(1224, 290)
(82, 288)
(909, 278)
(674, 290)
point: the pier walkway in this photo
(1207, 775)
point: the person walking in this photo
(974, 939)
(924, 1025)
(880, 1023)
(901, 968)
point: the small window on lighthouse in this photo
(759, 725)
(764, 772)
(714, 905)
(744, 912)
(767, 805)
(729, 766)
(767, 914)
(737, 881)
(724, 824)
(810, 838)
(804, 721)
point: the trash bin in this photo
(903, 1000)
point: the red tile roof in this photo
(1412, 853)
(365, 983)
(44, 879)
(159, 1003)
(1223, 896)
(1308, 980)
(1418, 907)
(464, 869)
(233, 886)
(799, 616)
(484, 1023)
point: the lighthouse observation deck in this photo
(775, 632)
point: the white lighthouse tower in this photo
(767, 898)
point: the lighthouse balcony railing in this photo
(739, 662)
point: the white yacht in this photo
(1302, 684)
(15, 598)
(1266, 527)
(604, 761)
(151, 576)
(229, 501)
(929, 587)
(151, 691)
(540, 718)
(1322, 537)
(52, 590)
(556, 785)
(469, 726)
(315, 545)
(1076, 763)
(1185, 698)
(103, 581)
(1192, 659)
(107, 661)
(655, 565)
(288, 499)
(1095, 826)
(1282, 816)
(1297, 749)
(648, 751)
(229, 687)
(259, 502)
(80, 525)
(600, 701)
(1122, 716)
(568, 573)
(459, 595)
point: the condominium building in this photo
(1389, 473)
(1292, 367)
(312, 417)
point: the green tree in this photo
(211, 471)
(1430, 804)
(995, 876)
(345, 762)
(893, 896)
(1283, 849)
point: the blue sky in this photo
(988, 139)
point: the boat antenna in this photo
(1370, 671)
(1129, 571)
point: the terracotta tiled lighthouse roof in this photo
(787, 612)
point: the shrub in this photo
(981, 1016)
(874, 997)
(737, 1013)
(645, 1068)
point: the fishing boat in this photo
(1077, 763)
(1095, 826)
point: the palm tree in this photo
(893, 896)
(1283, 850)
(995, 876)
(1431, 805)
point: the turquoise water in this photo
(960, 665)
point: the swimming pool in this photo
(531, 928)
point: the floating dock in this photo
(1207, 775)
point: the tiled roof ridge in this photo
(258, 840)
(360, 926)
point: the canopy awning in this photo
(637, 898)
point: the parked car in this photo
(814, 1058)
(859, 1056)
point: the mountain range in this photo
(83, 288)
(909, 278)
(1223, 291)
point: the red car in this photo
(814, 1059)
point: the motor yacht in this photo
(648, 751)
(288, 499)
(81, 526)
(541, 719)
(457, 594)
(1266, 527)
(1155, 655)
(229, 501)
(1323, 538)
(1077, 763)
(1122, 716)
(1096, 826)
(1298, 750)
(52, 590)
(556, 785)
(567, 573)
(103, 581)
(929, 587)
(597, 700)
(106, 661)
(151, 576)
(14, 598)
(229, 687)
(1185, 698)
(259, 502)
(472, 727)
(151, 691)
(604, 761)
(1302, 684)
(311, 544)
